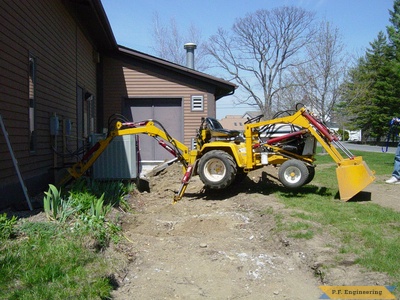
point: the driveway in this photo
(368, 148)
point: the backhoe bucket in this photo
(353, 176)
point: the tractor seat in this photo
(217, 131)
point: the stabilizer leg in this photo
(185, 181)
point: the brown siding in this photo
(124, 80)
(45, 29)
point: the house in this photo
(251, 114)
(62, 75)
(236, 122)
(233, 122)
(152, 88)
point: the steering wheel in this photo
(254, 119)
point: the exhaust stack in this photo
(190, 47)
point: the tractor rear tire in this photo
(293, 173)
(217, 169)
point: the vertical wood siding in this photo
(128, 80)
(45, 29)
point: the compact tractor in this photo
(223, 156)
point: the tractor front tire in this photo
(217, 169)
(293, 173)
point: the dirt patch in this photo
(386, 195)
(225, 245)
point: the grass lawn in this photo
(366, 229)
(46, 261)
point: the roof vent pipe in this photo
(190, 54)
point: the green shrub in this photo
(7, 226)
(55, 207)
(94, 223)
(86, 211)
(52, 202)
(82, 200)
(114, 191)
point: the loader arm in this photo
(302, 119)
(352, 172)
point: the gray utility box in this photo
(119, 159)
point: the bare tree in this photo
(319, 79)
(169, 43)
(260, 49)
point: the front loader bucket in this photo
(353, 176)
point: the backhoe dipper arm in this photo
(148, 127)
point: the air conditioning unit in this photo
(119, 159)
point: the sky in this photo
(359, 22)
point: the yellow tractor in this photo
(221, 156)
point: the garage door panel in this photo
(166, 111)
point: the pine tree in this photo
(371, 95)
(393, 32)
(394, 29)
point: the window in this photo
(88, 114)
(197, 103)
(32, 92)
